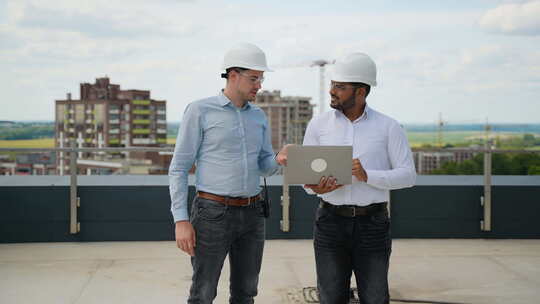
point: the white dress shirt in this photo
(378, 141)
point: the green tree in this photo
(470, 167)
(501, 164)
(534, 170)
(523, 162)
(528, 137)
(449, 168)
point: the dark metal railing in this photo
(73, 151)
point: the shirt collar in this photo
(224, 100)
(364, 115)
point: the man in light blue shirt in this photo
(228, 140)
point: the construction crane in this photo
(321, 63)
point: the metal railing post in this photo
(74, 225)
(285, 204)
(485, 224)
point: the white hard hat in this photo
(247, 56)
(355, 67)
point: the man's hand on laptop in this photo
(281, 157)
(358, 170)
(326, 184)
(185, 237)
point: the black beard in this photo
(345, 105)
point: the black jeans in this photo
(222, 230)
(361, 244)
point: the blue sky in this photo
(469, 60)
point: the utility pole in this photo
(440, 125)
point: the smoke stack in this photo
(68, 96)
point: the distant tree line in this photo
(33, 130)
(516, 128)
(27, 131)
(518, 141)
(501, 164)
(526, 141)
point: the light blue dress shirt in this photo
(230, 147)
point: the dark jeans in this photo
(361, 244)
(221, 230)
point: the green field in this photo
(28, 143)
(415, 139)
(42, 143)
(454, 137)
(424, 138)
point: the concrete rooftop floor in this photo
(449, 270)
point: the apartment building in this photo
(426, 162)
(288, 116)
(106, 116)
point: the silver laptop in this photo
(307, 164)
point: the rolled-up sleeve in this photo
(187, 146)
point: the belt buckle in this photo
(352, 214)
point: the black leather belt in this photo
(352, 211)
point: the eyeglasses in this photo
(340, 86)
(253, 79)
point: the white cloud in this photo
(427, 60)
(100, 20)
(513, 19)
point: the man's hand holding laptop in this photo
(327, 184)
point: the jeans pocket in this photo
(322, 214)
(211, 211)
(380, 218)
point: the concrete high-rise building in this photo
(106, 116)
(426, 162)
(288, 116)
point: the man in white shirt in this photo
(352, 228)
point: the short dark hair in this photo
(227, 71)
(362, 85)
